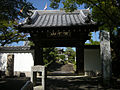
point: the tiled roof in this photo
(22, 49)
(15, 49)
(58, 18)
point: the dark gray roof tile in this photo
(68, 19)
(81, 19)
(50, 20)
(55, 20)
(37, 21)
(77, 19)
(40, 23)
(59, 20)
(64, 23)
(73, 22)
(14, 48)
(46, 20)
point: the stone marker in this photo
(10, 65)
(34, 76)
(105, 57)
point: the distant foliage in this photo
(50, 55)
(71, 54)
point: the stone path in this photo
(63, 69)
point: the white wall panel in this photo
(92, 60)
(23, 61)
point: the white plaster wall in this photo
(92, 60)
(23, 62)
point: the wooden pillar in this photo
(80, 58)
(105, 52)
(38, 55)
(10, 65)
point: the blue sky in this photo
(40, 4)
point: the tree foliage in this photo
(92, 42)
(50, 55)
(11, 11)
(71, 54)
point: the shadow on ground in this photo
(76, 84)
(60, 83)
(71, 84)
(12, 83)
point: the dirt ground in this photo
(60, 83)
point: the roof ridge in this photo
(59, 10)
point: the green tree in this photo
(62, 57)
(11, 11)
(50, 55)
(92, 42)
(71, 54)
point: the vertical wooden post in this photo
(105, 57)
(80, 58)
(10, 65)
(38, 55)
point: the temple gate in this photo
(56, 28)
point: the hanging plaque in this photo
(59, 34)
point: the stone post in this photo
(39, 69)
(105, 52)
(10, 65)
(80, 58)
